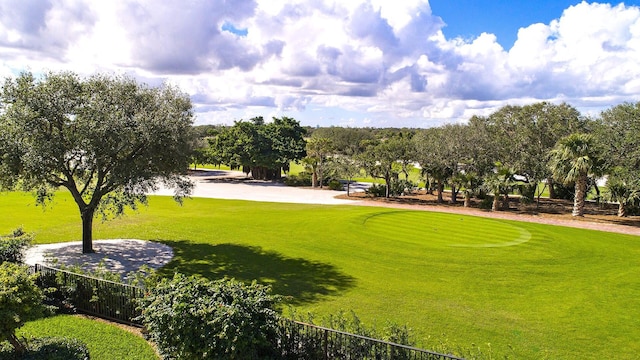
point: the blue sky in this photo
(470, 18)
(414, 63)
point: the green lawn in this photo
(542, 291)
(105, 341)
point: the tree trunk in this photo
(429, 186)
(440, 190)
(320, 179)
(622, 210)
(387, 180)
(87, 229)
(454, 195)
(348, 186)
(17, 345)
(467, 199)
(314, 179)
(276, 174)
(538, 194)
(579, 198)
(505, 201)
(496, 201)
(552, 190)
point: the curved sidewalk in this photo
(233, 185)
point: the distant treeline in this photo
(528, 149)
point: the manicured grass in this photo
(105, 341)
(532, 291)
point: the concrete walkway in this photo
(118, 255)
(222, 184)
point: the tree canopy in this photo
(264, 149)
(107, 139)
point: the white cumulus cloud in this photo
(362, 63)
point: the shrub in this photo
(402, 187)
(335, 185)
(486, 203)
(565, 192)
(69, 292)
(398, 188)
(20, 301)
(307, 345)
(527, 193)
(48, 349)
(302, 179)
(12, 246)
(193, 318)
(377, 190)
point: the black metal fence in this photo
(305, 341)
(297, 340)
(98, 297)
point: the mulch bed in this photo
(548, 209)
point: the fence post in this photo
(326, 345)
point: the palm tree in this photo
(572, 160)
(469, 183)
(501, 182)
(623, 188)
(318, 151)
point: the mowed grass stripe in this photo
(564, 294)
(428, 230)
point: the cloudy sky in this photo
(381, 63)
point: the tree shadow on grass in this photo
(300, 280)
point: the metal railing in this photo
(296, 340)
(93, 296)
(306, 341)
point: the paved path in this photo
(221, 184)
(118, 255)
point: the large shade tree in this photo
(107, 139)
(318, 154)
(382, 159)
(346, 141)
(260, 148)
(572, 160)
(522, 137)
(540, 126)
(440, 152)
(619, 130)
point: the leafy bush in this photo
(527, 193)
(565, 192)
(398, 188)
(376, 190)
(302, 179)
(68, 292)
(193, 318)
(47, 349)
(335, 185)
(313, 345)
(402, 187)
(20, 301)
(486, 203)
(12, 246)
(350, 322)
